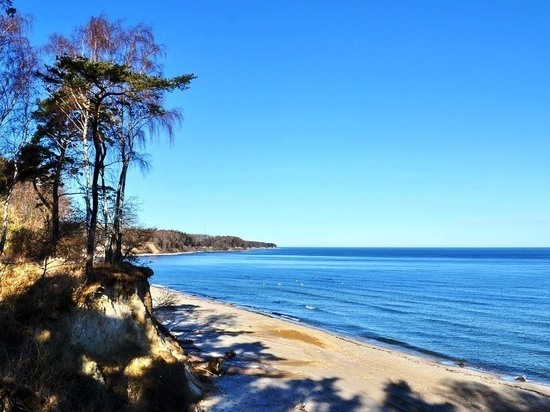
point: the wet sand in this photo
(285, 366)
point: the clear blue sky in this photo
(347, 123)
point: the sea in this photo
(486, 308)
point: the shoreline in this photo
(329, 369)
(442, 359)
(191, 252)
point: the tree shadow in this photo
(400, 397)
(482, 397)
(250, 379)
(468, 395)
(253, 393)
(185, 318)
(199, 333)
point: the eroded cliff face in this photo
(90, 344)
(113, 329)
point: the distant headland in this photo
(162, 241)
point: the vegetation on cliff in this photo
(76, 325)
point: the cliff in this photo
(76, 344)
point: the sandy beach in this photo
(284, 366)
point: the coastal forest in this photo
(77, 328)
(153, 241)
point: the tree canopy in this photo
(102, 97)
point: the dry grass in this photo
(15, 279)
(31, 368)
(40, 370)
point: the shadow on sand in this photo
(251, 384)
(470, 396)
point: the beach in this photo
(271, 364)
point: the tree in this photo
(18, 61)
(103, 40)
(118, 95)
(137, 119)
(49, 156)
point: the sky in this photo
(346, 123)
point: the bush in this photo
(165, 298)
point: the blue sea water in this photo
(489, 308)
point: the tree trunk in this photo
(56, 233)
(87, 174)
(5, 218)
(105, 211)
(115, 247)
(99, 159)
(5, 214)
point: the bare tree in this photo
(18, 61)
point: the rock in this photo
(215, 366)
(521, 378)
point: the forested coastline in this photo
(156, 241)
